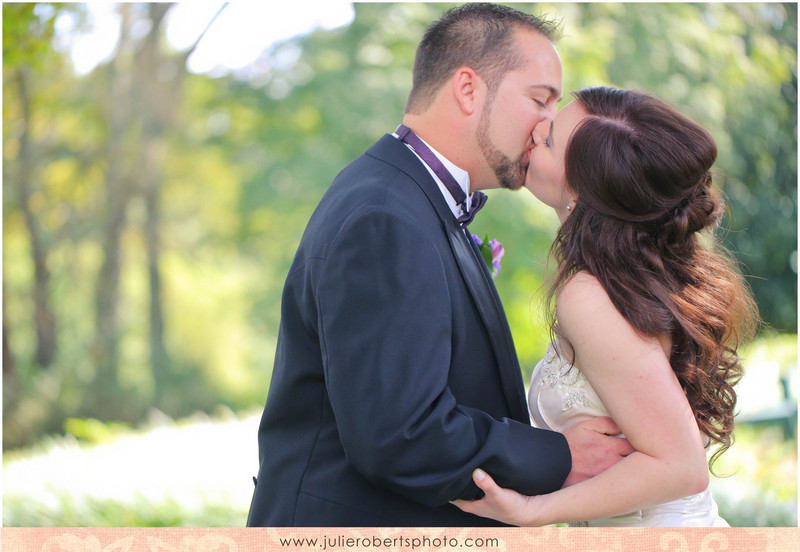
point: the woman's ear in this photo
(468, 89)
(572, 201)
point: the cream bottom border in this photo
(547, 539)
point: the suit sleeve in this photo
(385, 331)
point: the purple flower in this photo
(492, 251)
(497, 253)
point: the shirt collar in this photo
(460, 175)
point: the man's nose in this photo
(540, 131)
(551, 110)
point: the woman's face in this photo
(545, 178)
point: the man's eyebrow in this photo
(553, 91)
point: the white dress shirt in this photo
(461, 176)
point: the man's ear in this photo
(468, 89)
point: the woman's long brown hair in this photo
(641, 174)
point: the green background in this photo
(150, 214)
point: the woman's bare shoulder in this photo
(583, 294)
(588, 316)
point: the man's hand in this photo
(594, 448)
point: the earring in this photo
(569, 208)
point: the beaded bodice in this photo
(559, 394)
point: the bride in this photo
(649, 313)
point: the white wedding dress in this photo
(559, 396)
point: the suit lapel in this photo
(391, 150)
(488, 302)
(473, 269)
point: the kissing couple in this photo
(396, 396)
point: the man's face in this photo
(524, 98)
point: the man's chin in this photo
(510, 176)
(507, 182)
(512, 186)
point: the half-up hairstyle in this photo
(641, 172)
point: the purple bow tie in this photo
(478, 198)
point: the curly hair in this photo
(643, 226)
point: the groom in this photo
(395, 374)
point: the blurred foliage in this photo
(236, 164)
(761, 487)
(94, 431)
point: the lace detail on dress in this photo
(557, 372)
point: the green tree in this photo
(30, 147)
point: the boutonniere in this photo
(492, 251)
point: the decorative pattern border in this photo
(546, 539)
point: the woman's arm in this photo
(633, 378)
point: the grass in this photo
(199, 475)
(194, 473)
(198, 472)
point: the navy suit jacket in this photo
(395, 373)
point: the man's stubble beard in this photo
(510, 174)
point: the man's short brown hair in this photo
(476, 35)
